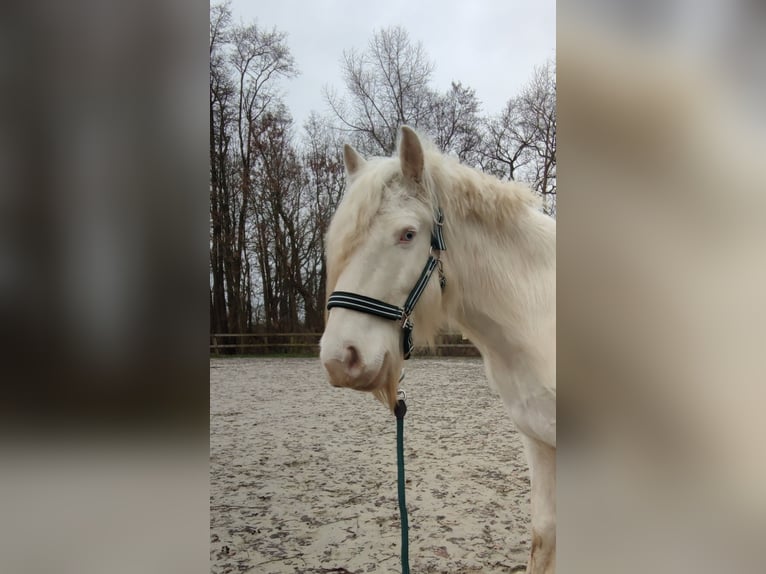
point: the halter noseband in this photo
(379, 308)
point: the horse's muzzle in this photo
(350, 371)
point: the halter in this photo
(379, 308)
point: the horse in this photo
(495, 253)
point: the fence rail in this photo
(447, 344)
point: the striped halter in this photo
(379, 308)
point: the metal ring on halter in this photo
(401, 395)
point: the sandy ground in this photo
(303, 475)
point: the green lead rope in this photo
(399, 411)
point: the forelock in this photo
(356, 212)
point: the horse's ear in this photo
(411, 154)
(352, 159)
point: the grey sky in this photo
(489, 45)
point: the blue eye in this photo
(407, 236)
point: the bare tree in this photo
(325, 178)
(222, 96)
(505, 146)
(278, 215)
(537, 105)
(388, 85)
(245, 61)
(520, 143)
(454, 122)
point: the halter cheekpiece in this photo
(379, 308)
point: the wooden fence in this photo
(447, 344)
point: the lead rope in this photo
(400, 411)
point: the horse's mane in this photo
(467, 193)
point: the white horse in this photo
(498, 258)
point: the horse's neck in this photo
(505, 283)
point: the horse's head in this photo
(377, 245)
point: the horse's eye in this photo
(407, 236)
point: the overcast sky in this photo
(489, 45)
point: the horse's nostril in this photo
(352, 357)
